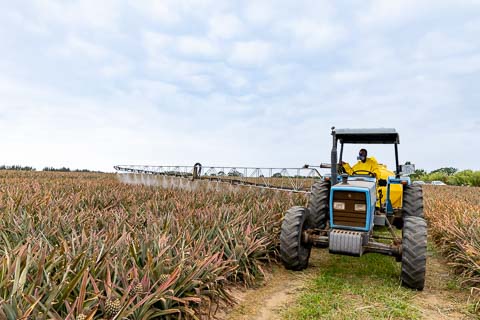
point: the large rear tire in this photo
(293, 252)
(318, 205)
(412, 205)
(414, 252)
(412, 201)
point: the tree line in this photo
(17, 168)
(28, 168)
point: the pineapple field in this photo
(88, 246)
(454, 220)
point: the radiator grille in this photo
(349, 217)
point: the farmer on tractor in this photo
(365, 164)
(344, 212)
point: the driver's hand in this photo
(342, 163)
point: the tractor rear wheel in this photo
(293, 252)
(318, 205)
(414, 252)
(412, 205)
(412, 201)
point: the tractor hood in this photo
(363, 185)
(349, 195)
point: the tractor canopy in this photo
(362, 136)
(368, 136)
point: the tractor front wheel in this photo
(318, 205)
(293, 252)
(414, 252)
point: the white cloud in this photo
(158, 44)
(472, 27)
(90, 14)
(392, 12)
(468, 64)
(352, 76)
(197, 47)
(75, 46)
(199, 83)
(279, 79)
(173, 14)
(316, 35)
(191, 76)
(225, 26)
(163, 12)
(116, 69)
(152, 90)
(372, 53)
(235, 80)
(259, 12)
(251, 53)
(435, 45)
(27, 24)
(155, 42)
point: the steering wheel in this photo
(364, 172)
(341, 169)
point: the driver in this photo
(364, 164)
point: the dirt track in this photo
(282, 288)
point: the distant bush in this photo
(458, 178)
(62, 169)
(235, 173)
(465, 178)
(86, 170)
(440, 176)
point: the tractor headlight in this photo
(339, 205)
(360, 207)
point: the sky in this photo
(91, 84)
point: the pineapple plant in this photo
(112, 307)
(81, 316)
(163, 278)
(137, 288)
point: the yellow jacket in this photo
(370, 164)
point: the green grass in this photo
(355, 288)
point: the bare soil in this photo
(441, 299)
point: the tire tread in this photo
(318, 205)
(414, 252)
(293, 253)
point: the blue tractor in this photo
(344, 210)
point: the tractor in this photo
(344, 213)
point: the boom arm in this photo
(288, 179)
